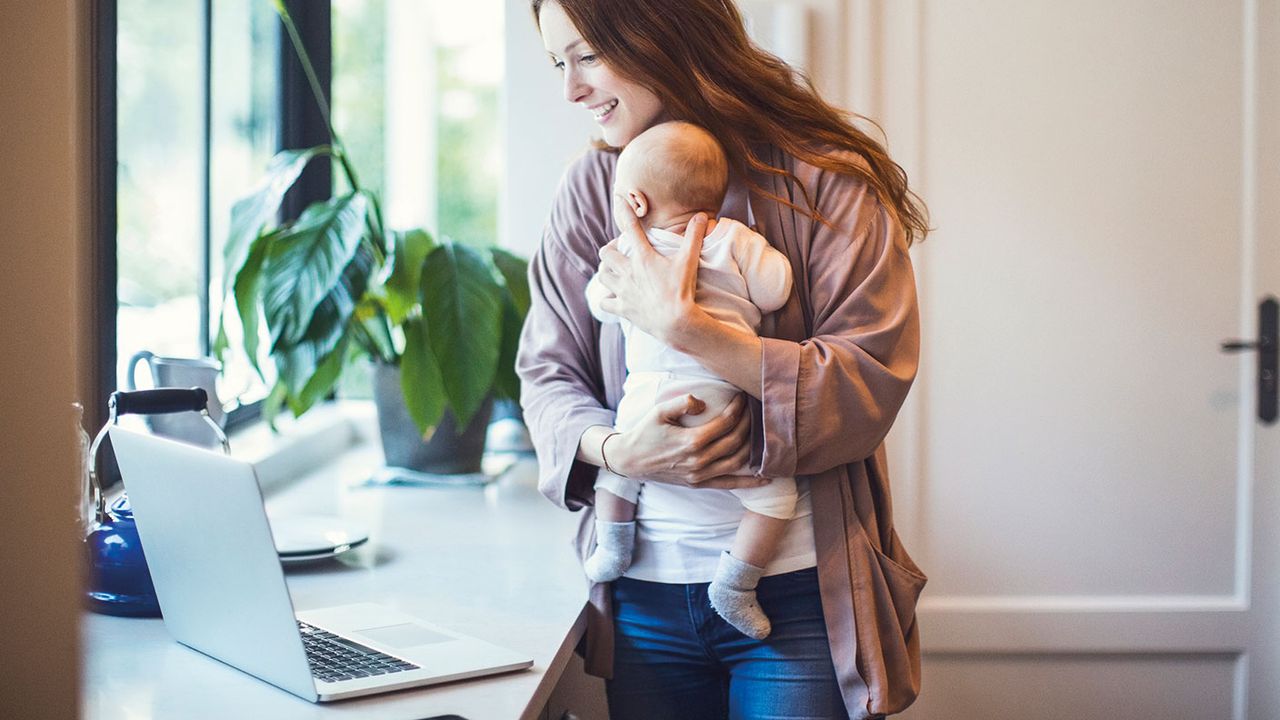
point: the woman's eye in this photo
(558, 64)
(589, 59)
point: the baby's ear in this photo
(638, 202)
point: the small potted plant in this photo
(439, 320)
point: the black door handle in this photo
(1238, 345)
(1268, 356)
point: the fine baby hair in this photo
(676, 166)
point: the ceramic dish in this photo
(308, 538)
(317, 557)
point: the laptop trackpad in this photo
(403, 635)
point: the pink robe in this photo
(838, 360)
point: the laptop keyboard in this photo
(334, 658)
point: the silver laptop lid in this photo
(209, 549)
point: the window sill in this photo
(331, 430)
(304, 444)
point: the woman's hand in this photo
(660, 449)
(654, 292)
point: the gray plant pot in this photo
(448, 452)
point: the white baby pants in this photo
(643, 390)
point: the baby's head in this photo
(669, 173)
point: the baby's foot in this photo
(733, 596)
(612, 556)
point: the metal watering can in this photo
(119, 582)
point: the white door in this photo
(1079, 468)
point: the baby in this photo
(666, 175)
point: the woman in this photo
(825, 378)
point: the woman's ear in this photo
(638, 202)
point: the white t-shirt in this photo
(681, 532)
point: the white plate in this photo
(303, 559)
(314, 537)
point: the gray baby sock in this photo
(612, 556)
(733, 595)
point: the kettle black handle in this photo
(160, 401)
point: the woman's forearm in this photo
(730, 352)
(660, 448)
(590, 443)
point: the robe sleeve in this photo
(830, 400)
(561, 382)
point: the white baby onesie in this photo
(740, 277)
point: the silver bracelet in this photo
(606, 459)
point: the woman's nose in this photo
(574, 88)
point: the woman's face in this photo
(623, 108)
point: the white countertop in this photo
(493, 562)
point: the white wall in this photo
(541, 132)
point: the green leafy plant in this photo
(335, 285)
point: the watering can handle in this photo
(161, 401)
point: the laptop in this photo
(222, 590)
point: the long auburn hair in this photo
(695, 55)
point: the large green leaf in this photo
(220, 341)
(420, 379)
(305, 262)
(260, 206)
(515, 272)
(411, 248)
(321, 381)
(462, 307)
(505, 382)
(331, 325)
(248, 282)
(248, 216)
(272, 403)
(297, 364)
(340, 303)
(375, 332)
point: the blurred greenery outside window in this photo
(415, 99)
(161, 75)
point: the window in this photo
(197, 99)
(159, 176)
(415, 99)
(199, 92)
(244, 134)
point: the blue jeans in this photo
(675, 658)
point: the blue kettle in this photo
(119, 582)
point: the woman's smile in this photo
(602, 112)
